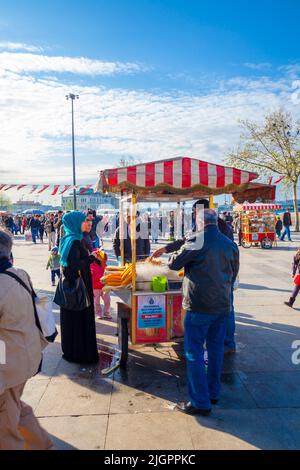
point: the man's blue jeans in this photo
(34, 233)
(200, 328)
(287, 232)
(230, 328)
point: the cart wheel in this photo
(123, 338)
(266, 243)
(245, 243)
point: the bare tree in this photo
(128, 161)
(271, 148)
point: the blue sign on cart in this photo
(151, 311)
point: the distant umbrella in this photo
(33, 212)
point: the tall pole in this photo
(72, 97)
(73, 154)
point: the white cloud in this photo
(35, 63)
(261, 66)
(35, 145)
(18, 46)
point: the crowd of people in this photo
(209, 257)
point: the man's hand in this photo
(157, 253)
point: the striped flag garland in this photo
(279, 180)
(34, 188)
(86, 189)
(67, 186)
(46, 186)
(38, 188)
(10, 187)
(55, 190)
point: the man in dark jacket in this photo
(225, 229)
(211, 264)
(34, 227)
(142, 241)
(287, 222)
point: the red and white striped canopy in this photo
(258, 206)
(177, 174)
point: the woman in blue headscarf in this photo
(78, 329)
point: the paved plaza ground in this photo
(134, 409)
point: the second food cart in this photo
(257, 224)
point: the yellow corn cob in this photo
(128, 271)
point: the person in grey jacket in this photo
(211, 264)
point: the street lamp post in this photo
(73, 97)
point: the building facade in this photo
(90, 200)
(21, 206)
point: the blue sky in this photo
(156, 79)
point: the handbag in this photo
(297, 280)
(72, 296)
(42, 307)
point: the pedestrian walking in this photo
(296, 276)
(287, 223)
(49, 227)
(34, 227)
(211, 263)
(42, 228)
(54, 264)
(19, 428)
(278, 226)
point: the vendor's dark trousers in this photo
(200, 328)
(229, 342)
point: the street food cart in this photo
(257, 224)
(145, 316)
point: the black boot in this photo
(290, 303)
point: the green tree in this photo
(69, 206)
(271, 148)
(5, 202)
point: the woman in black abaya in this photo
(78, 329)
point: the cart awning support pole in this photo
(121, 231)
(211, 201)
(133, 250)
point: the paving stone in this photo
(81, 432)
(244, 430)
(34, 391)
(75, 397)
(273, 389)
(147, 431)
